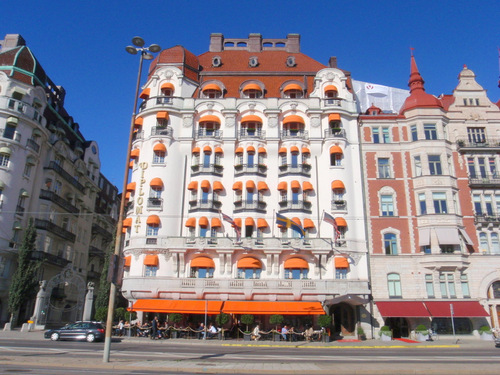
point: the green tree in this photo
(24, 284)
(102, 299)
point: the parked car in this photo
(497, 341)
(90, 331)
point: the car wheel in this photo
(54, 336)
(90, 337)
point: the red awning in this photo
(461, 309)
(270, 308)
(177, 306)
(403, 309)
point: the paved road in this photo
(30, 354)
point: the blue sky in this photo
(81, 45)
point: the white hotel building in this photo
(251, 128)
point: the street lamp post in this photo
(145, 53)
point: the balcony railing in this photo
(215, 169)
(251, 134)
(335, 133)
(56, 229)
(61, 202)
(19, 210)
(481, 143)
(95, 251)
(253, 205)
(138, 135)
(339, 204)
(155, 202)
(10, 134)
(31, 143)
(291, 206)
(299, 169)
(257, 169)
(97, 229)
(204, 133)
(332, 102)
(162, 130)
(487, 180)
(204, 205)
(487, 219)
(56, 167)
(294, 134)
(164, 100)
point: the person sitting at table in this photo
(212, 331)
(284, 332)
(256, 333)
(308, 334)
(201, 331)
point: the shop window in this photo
(444, 326)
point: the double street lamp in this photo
(146, 53)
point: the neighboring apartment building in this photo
(433, 205)
(249, 129)
(48, 172)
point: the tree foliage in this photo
(24, 284)
(102, 299)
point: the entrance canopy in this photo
(177, 306)
(403, 309)
(270, 308)
(461, 309)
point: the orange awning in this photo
(162, 115)
(218, 150)
(282, 150)
(262, 223)
(205, 185)
(237, 221)
(159, 147)
(178, 306)
(333, 117)
(138, 121)
(250, 149)
(203, 222)
(218, 186)
(272, 308)
(210, 118)
(338, 185)
(250, 185)
(294, 149)
(202, 262)
(127, 223)
(293, 118)
(128, 261)
(331, 88)
(252, 86)
(296, 263)
(249, 262)
(307, 186)
(191, 222)
(261, 186)
(249, 222)
(335, 150)
(239, 150)
(131, 164)
(295, 185)
(151, 260)
(282, 186)
(296, 220)
(305, 150)
(340, 222)
(251, 118)
(145, 93)
(215, 223)
(341, 262)
(196, 150)
(211, 86)
(167, 85)
(193, 185)
(262, 150)
(156, 183)
(207, 150)
(131, 186)
(238, 185)
(127, 195)
(308, 224)
(135, 153)
(292, 86)
(153, 220)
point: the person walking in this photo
(154, 328)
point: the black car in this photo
(90, 331)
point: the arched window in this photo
(390, 244)
(249, 268)
(394, 285)
(202, 267)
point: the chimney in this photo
(332, 63)
(255, 42)
(12, 41)
(216, 42)
(293, 43)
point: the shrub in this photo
(324, 320)
(247, 319)
(422, 329)
(101, 314)
(276, 319)
(484, 329)
(385, 330)
(174, 317)
(222, 319)
(361, 331)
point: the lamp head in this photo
(147, 56)
(131, 50)
(138, 41)
(154, 48)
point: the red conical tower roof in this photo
(418, 97)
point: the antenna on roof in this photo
(412, 49)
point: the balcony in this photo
(49, 258)
(212, 169)
(97, 229)
(155, 203)
(61, 202)
(445, 261)
(96, 252)
(339, 204)
(253, 205)
(297, 206)
(204, 133)
(164, 100)
(487, 219)
(93, 275)
(55, 229)
(204, 205)
(251, 134)
(19, 210)
(299, 169)
(31, 143)
(335, 133)
(486, 181)
(253, 169)
(478, 144)
(162, 131)
(57, 168)
(137, 135)
(332, 102)
(10, 133)
(294, 134)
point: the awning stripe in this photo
(178, 306)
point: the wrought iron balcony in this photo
(257, 169)
(56, 229)
(335, 133)
(138, 135)
(204, 133)
(97, 229)
(162, 130)
(493, 144)
(155, 202)
(204, 205)
(200, 169)
(487, 219)
(251, 134)
(56, 167)
(95, 251)
(299, 169)
(485, 181)
(31, 143)
(332, 102)
(253, 205)
(61, 202)
(297, 206)
(294, 134)
(339, 204)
